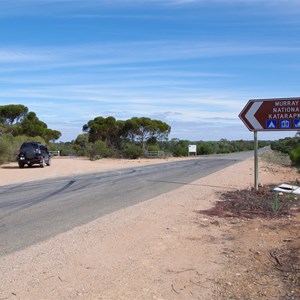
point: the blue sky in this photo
(193, 64)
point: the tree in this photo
(80, 145)
(52, 135)
(9, 115)
(5, 128)
(16, 120)
(119, 134)
(143, 129)
(12, 113)
(103, 129)
(162, 130)
(32, 126)
(130, 129)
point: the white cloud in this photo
(21, 56)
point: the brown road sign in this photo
(272, 114)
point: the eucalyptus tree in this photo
(103, 129)
(12, 113)
(118, 133)
(16, 120)
(144, 130)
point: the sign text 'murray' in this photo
(287, 103)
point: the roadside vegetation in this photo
(17, 125)
(290, 147)
(278, 212)
(107, 137)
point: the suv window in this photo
(29, 147)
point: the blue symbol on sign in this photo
(297, 123)
(271, 124)
(285, 124)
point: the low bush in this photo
(133, 151)
(286, 145)
(295, 156)
(99, 150)
(4, 151)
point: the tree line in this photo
(108, 137)
(101, 137)
(174, 147)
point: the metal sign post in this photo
(255, 161)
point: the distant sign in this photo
(193, 148)
(272, 114)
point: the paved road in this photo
(32, 212)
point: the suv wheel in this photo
(48, 162)
(42, 164)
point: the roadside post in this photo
(278, 114)
(255, 160)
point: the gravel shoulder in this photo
(159, 249)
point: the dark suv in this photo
(32, 153)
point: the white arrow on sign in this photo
(251, 112)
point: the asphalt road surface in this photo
(32, 212)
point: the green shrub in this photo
(99, 150)
(153, 148)
(64, 148)
(180, 148)
(80, 145)
(286, 145)
(4, 151)
(295, 156)
(204, 148)
(133, 151)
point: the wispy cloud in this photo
(137, 52)
(14, 55)
(92, 8)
